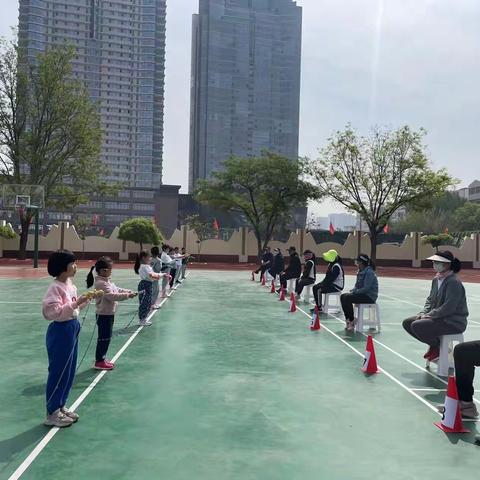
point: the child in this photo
(61, 307)
(178, 257)
(309, 273)
(365, 290)
(173, 267)
(106, 307)
(156, 265)
(185, 259)
(167, 263)
(147, 276)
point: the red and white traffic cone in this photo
(272, 290)
(263, 280)
(370, 361)
(253, 276)
(452, 417)
(282, 294)
(293, 304)
(315, 323)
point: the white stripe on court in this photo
(46, 439)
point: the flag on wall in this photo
(331, 229)
(386, 229)
(216, 227)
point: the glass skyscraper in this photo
(120, 56)
(245, 87)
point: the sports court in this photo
(227, 384)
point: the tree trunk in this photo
(22, 248)
(373, 245)
(141, 246)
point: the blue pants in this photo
(105, 328)
(62, 349)
(145, 299)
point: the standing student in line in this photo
(173, 268)
(156, 265)
(178, 257)
(106, 306)
(61, 307)
(308, 275)
(365, 290)
(167, 263)
(184, 263)
(334, 280)
(147, 276)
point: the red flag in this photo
(331, 229)
(386, 229)
(102, 232)
(94, 219)
(216, 226)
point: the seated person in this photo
(293, 270)
(266, 262)
(308, 275)
(334, 280)
(365, 290)
(278, 264)
(445, 310)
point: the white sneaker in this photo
(145, 323)
(58, 419)
(73, 415)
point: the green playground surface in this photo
(227, 384)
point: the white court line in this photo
(19, 303)
(46, 439)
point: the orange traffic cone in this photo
(370, 361)
(253, 276)
(315, 323)
(293, 305)
(452, 417)
(263, 280)
(272, 290)
(282, 294)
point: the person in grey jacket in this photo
(365, 290)
(445, 311)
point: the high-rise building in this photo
(120, 56)
(245, 87)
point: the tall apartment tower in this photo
(245, 86)
(120, 55)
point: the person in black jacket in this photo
(334, 280)
(308, 275)
(266, 261)
(294, 269)
(278, 264)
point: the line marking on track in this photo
(54, 430)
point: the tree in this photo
(437, 240)
(140, 230)
(50, 132)
(7, 232)
(203, 229)
(375, 176)
(467, 217)
(265, 190)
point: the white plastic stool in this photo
(367, 314)
(328, 304)
(307, 293)
(445, 358)
(291, 285)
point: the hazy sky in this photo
(384, 62)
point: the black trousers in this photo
(301, 283)
(349, 299)
(467, 357)
(105, 328)
(173, 273)
(261, 269)
(286, 276)
(320, 288)
(428, 330)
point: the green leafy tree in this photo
(50, 131)
(264, 190)
(140, 230)
(374, 176)
(467, 217)
(202, 228)
(437, 240)
(7, 232)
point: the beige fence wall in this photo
(242, 246)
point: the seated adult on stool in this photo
(334, 280)
(266, 261)
(293, 270)
(278, 264)
(445, 311)
(309, 273)
(365, 290)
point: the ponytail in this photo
(100, 264)
(456, 265)
(90, 279)
(138, 260)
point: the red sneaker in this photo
(103, 365)
(434, 354)
(428, 353)
(108, 362)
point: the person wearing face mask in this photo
(308, 275)
(365, 290)
(445, 311)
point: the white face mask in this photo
(439, 267)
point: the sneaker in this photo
(155, 307)
(434, 353)
(73, 415)
(428, 353)
(178, 281)
(108, 362)
(58, 419)
(102, 365)
(467, 409)
(145, 323)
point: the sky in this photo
(364, 62)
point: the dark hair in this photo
(309, 252)
(100, 264)
(140, 256)
(155, 251)
(365, 259)
(455, 263)
(58, 262)
(165, 247)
